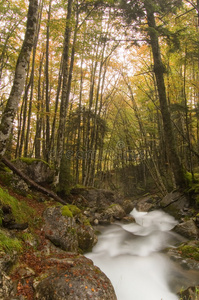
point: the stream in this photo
(132, 257)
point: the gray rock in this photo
(115, 211)
(37, 170)
(68, 233)
(187, 229)
(74, 280)
(175, 203)
(6, 287)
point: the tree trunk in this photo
(19, 78)
(47, 87)
(159, 71)
(64, 96)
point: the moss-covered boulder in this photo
(38, 170)
(68, 231)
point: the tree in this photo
(19, 78)
(147, 9)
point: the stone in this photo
(74, 280)
(191, 293)
(174, 203)
(115, 211)
(187, 229)
(68, 233)
(37, 170)
(6, 287)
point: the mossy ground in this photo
(190, 251)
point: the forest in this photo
(106, 92)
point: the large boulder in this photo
(188, 229)
(114, 212)
(175, 203)
(37, 170)
(98, 198)
(73, 279)
(68, 232)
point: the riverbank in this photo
(37, 253)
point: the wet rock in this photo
(115, 211)
(128, 206)
(175, 203)
(73, 280)
(187, 229)
(191, 293)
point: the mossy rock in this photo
(20, 210)
(29, 160)
(70, 210)
(190, 251)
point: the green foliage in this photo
(9, 244)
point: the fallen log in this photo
(32, 182)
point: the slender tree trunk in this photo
(39, 121)
(19, 78)
(64, 96)
(159, 71)
(47, 86)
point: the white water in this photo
(129, 255)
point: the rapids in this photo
(131, 256)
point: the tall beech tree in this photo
(148, 9)
(20, 76)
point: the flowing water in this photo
(131, 256)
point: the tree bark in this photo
(20, 76)
(159, 71)
(64, 96)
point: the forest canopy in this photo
(109, 90)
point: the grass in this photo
(9, 244)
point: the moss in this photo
(74, 209)
(66, 211)
(29, 160)
(20, 210)
(190, 251)
(9, 244)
